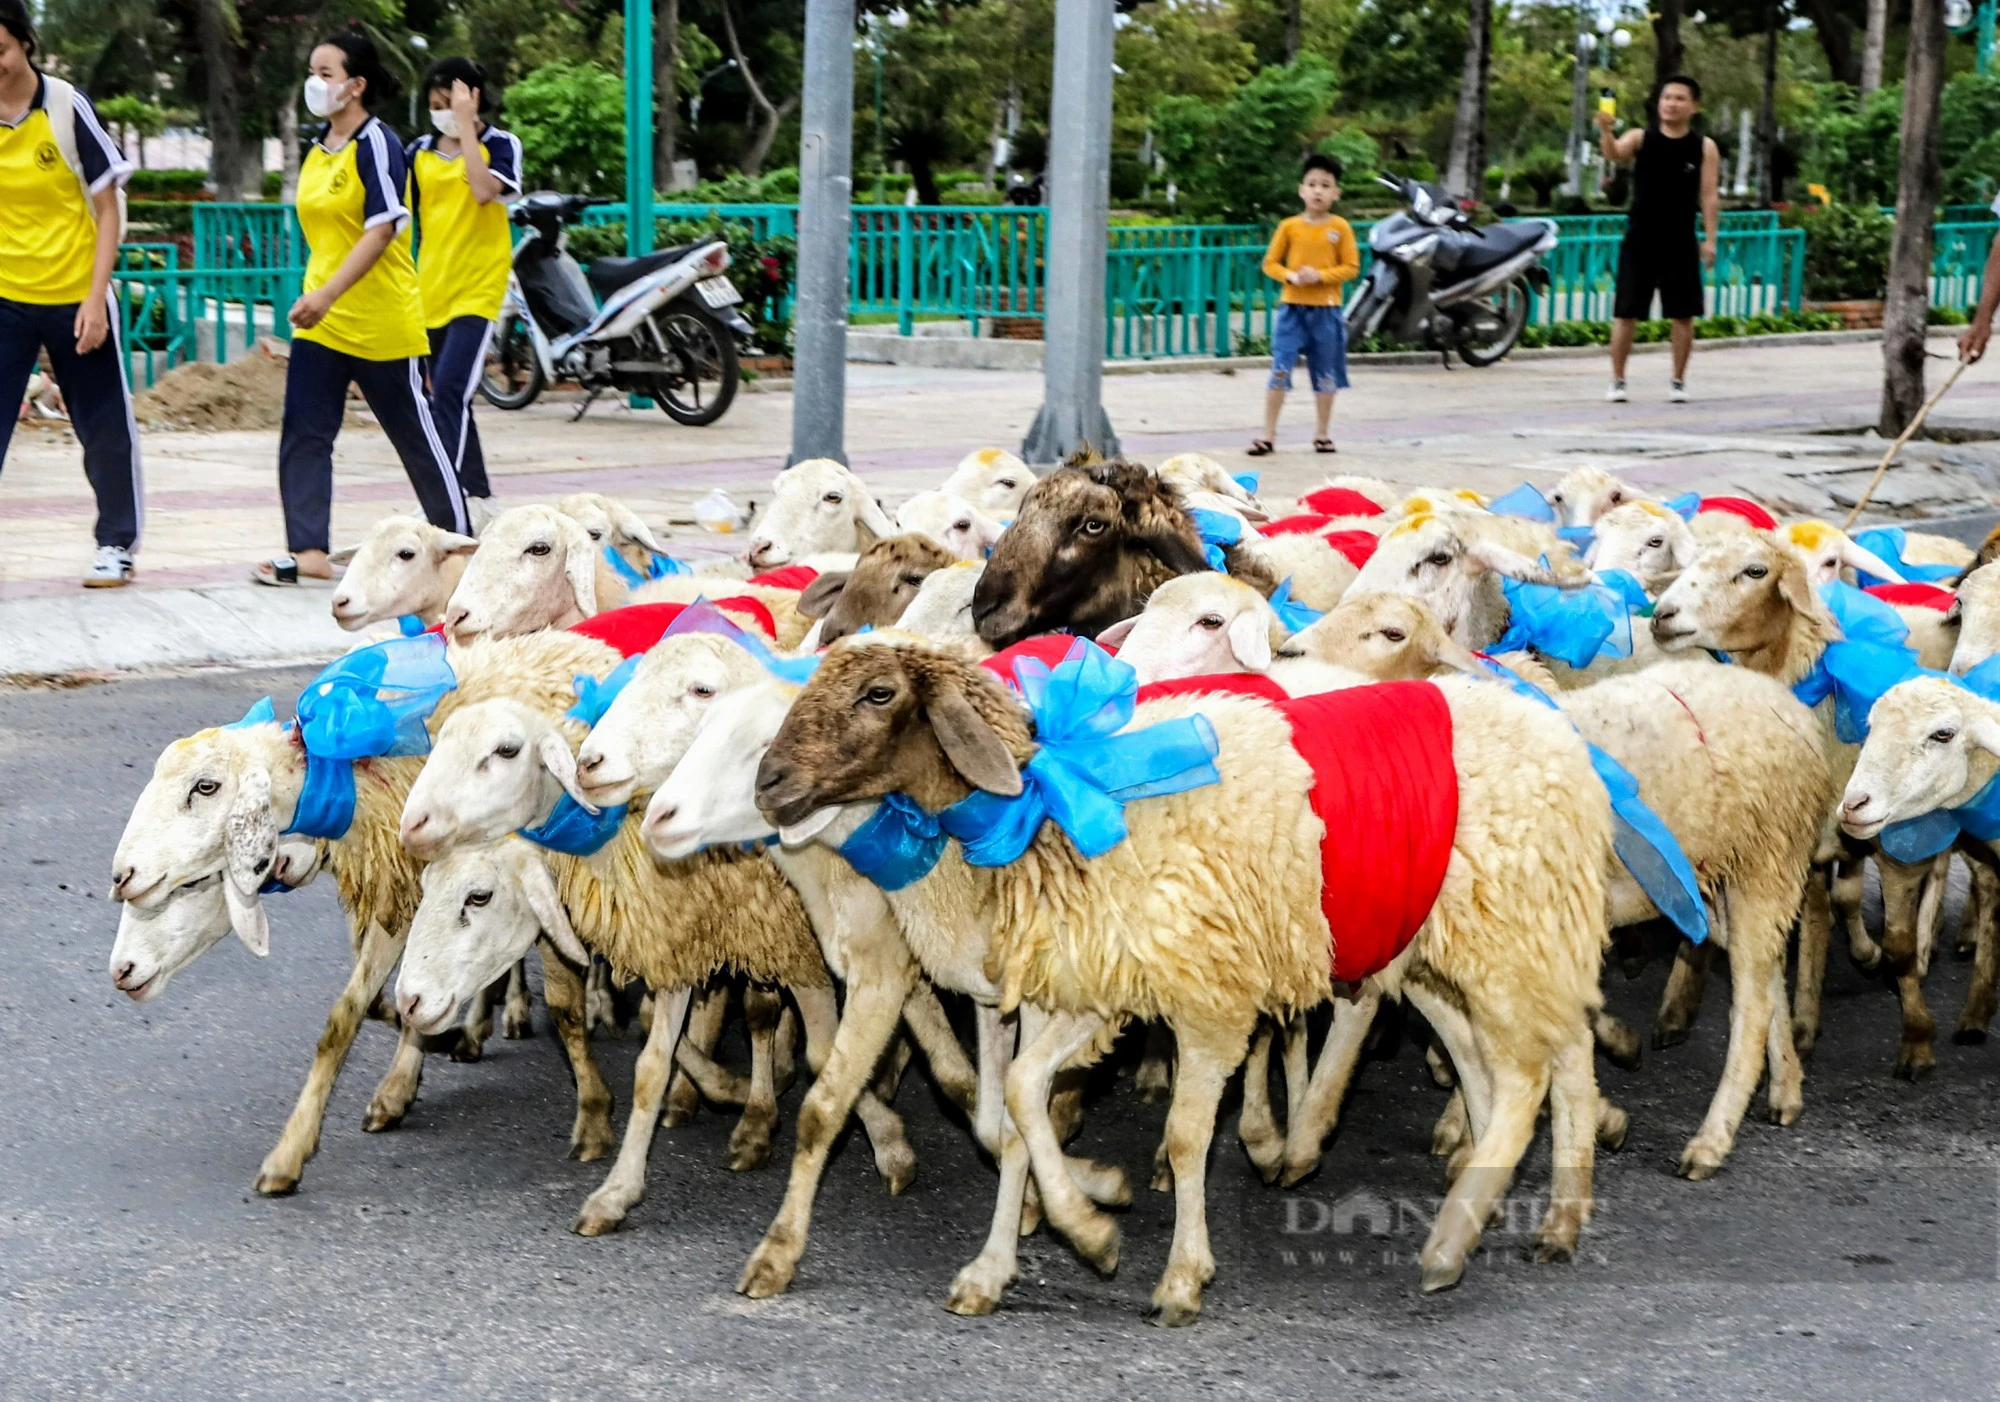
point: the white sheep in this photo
(951, 521)
(1830, 553)
(1511, 946)
(1978, 613)
(1647, 540)
(1198, 472)
(942, 608)
(1585, 494)
(216, 804)
(402, 566)
(992, 479)
(613, 523)
(816, 505)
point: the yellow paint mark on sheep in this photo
(988, 456)
(1404, 527)
(1811, 535)
(1653, 508)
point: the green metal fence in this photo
(1755, 271)
(1958, 263)
(169, 315)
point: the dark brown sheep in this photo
(1088, 547)
(877, 590)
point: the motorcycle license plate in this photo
(718, 292)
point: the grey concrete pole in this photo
(1079, 192)
(826, 192)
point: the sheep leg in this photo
(1208, 1056)
(477, 1025)
(1517, 1095)
(1619, 1043)
(1314, 1115)
(750, 1141)
(600, 1005)
(625, 1185)
(684, 1092)
(950, 1070)
(875, 999)
(374, 956)
(1093, 1233)
(1751, 959)
(1573, 1122)
(1680, 1004)
(1453, 1029)
(1978, 926)
(1903, 957)
(562, 990)
(1155, 1076)
(895, 1160)
(517, 1018)
(1982, 895)
(1815, 928)
(785, 1049)
(1298, 1065)
(1847, 885)
(1453, 1130)
(1257, 1126)
(398, 1088)
(1787, 1094)
(984, 1279)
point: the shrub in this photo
(1847, 250)
(571, 121)
(166, 184)
(1239, 159)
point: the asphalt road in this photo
(1851, 1255)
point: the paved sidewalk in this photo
(1778, 422)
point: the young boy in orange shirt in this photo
(1312, 254)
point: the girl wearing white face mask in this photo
(458, 177)
(361, 320)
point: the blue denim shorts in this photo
(1319, 334)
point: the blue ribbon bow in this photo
(574, 829)
(1627, 587)
(1926, 835)
(1084, 770)
(1888, 542)
(1857, 669)
(1646, 846)
(1247, 480)
(1574, 626)
(594, 697)
(1217, 528)
(1685, 505)
(1295, 616)
(410, 625)
(1525, 501)
(703, 617)
(658, 566)
(1579, 538)
(898, 844)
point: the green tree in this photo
(571, 121)
(1238, 159)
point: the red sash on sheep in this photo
(1928, 596)
(637, 627)
(1340, 501)
(786, 577)
(1049, 649)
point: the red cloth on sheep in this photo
(1049, 649)
(637, 627)
(1928, 596)
(1228, 683)
(1308, 523)
(1357, 546)
(1740, 506)
(786, 577)
(1340, 501)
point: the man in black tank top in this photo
(1674, 177)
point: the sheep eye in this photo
(1093, 526)
(478, 898)
(913, 581)
(507, 749)
(1943, 735)
(879, 695)
(1655, 542)
(540, 547)
(701, 689)
(1007, 482)
(1394, 635)
(207, 788)
(1438, 559)
(1617, 497)
(406, 554)
(597, 534)
(1755, 571)
(833, 498)
(1210, 621)
(961, 525)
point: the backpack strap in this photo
(60, 98)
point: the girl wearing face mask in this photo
(459, 174)
(361, 320)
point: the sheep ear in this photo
(628, 524)
(344, 555)
(1984, 731)
(540, 892)
(1862, 560)
(1165, 542)
(1498, 559)
(1795, 585)
(580, 556)
(452, 543)
(1449, 652)
(817, 599)
(251, 844)
(974, 748)
(557, 759)
(1250, 639)
(869, 517)
(1113, 638)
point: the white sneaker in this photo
(110, 568)
(1677, 392)
(1616, 394)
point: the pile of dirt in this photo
(245, 394)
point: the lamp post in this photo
(694, 103)
(876, 47)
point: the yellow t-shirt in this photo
(342, 194)
(465, 250)
(48, 233)
(1328, 246)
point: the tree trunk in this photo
(1669, 53)
(769, 117)
(1872, 44)
(1767, 111)
(1465, 168)
(215, 25)
(666, 89)
(288, 142)
(1836, 38)
(1294, 23)
(1917, 179)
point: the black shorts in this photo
(1673, 271)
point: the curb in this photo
(54, 637)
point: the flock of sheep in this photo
(876, 755)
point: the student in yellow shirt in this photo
(360, 320)
(1312, 254)
(59, 229)
(459, 177)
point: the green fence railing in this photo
(169, 315)
(1755, 271)
(1958, 263)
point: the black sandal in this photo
(1324, 445)
(1260, 448)
(282, 572)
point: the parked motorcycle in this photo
(1438, 281)
(665, 325)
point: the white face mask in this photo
(446, 122)
(320, 100)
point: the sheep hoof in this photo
(1866, 956)
(1442, 1275)
(1805, 1036)
(768, 1272)
(517, 1026)
(1612, 1123)
(683, 1102)
(1915, 1061)
(1700, 1161)
(1550, 1251)
(469, 1049)
(1154, 1080)
(596, 1221)
(897, 1163)
(1298, 1172)
(748, 1152)
(1787, 1111)
(1175, 1307)
(1097, 1242)
(273, 1184)
(1668, 1034)
(1969, 1036)
(1267, 1155)
(590, 1142)
(1163, 1170)
(380, 1118)
(1103, 1183)
(978, 1288)
(1448, 1135)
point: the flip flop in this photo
(1259, 448)
(1324, 445)
(282, 572)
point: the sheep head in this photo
(1978, 610)
(942, 608)
(536, 568)
(401, 566)
(950, 521)
(611, 522)
(888, 714)
(1197, 625)
(1585, 493)
(495, 766)
(1827, 551)
(816, 506)
(711, 795)
(992, 479)
(1198, 472)
(1389, 637)
(1930, 745)
(637, 743)
(883, 582)
(1646, 540)
(1745, 593)
(483, 908)
(1454, 561)
(1089, 546)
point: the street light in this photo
(897, 18)
(694, 103)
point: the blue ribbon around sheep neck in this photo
(1888, 543)
(410, 625)
(898, 843)
(1084, 770)
(571, 827)
(1574, 626)
(1296, 617)
(1685, 505)
(1646, 846)
(658, 566)
(1217, 529)
(1856, 669)
(1526, 502)
(701, 616)
(1247, 480)
(1927, 834)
